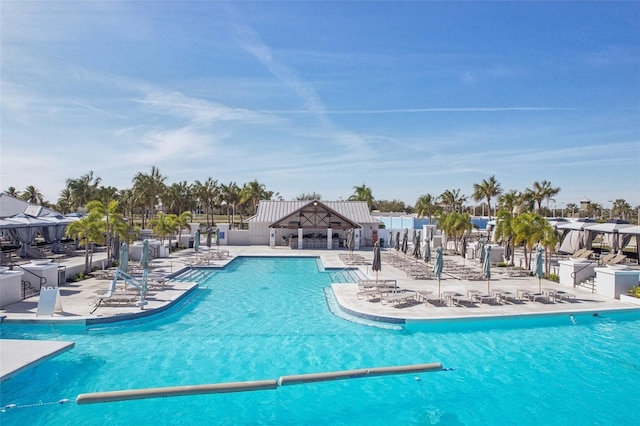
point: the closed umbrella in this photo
(209, 232)
(218, 238)
(196, 240)
(507, 251)
(376, 265)
(539, 272)
(463, 249)
(144, 259)
(438, 266)
(486, 267)
(427, 250)
(144, 263)
(416, 246)
(350, 240)
(405, 241)
(397, 241)
(482, 252)
(124, 257)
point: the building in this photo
(315, 223)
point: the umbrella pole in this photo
(539, 285)
(438, 286)
(488, 286)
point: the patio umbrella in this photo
(416, 246)
(539, 267)
(144, 263)
(405, 239)
(463, 249)
(124, 257)
(427, 250)
(196, 240)
(507, 250)
(218, 238)
(438, 266)
(397, 241)
(144, 259)
(482, 251)
(209, 234)
(376, 265)
(350, 240)
(486, 267)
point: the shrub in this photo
(634, 291)
(554, 277)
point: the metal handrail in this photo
(574, 273)
(43, 280)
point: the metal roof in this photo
(271, 211)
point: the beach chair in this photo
(617, 259)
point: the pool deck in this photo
(77, 299)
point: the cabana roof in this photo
(313, 214)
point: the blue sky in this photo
(408, 98)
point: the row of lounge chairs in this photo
(352, 259)
(390, 293)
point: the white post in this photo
(272, 238)
(329, 238)
(300, 241)
(356, 242)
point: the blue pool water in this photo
(268, 317)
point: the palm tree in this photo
(112, 218)
(621, 209)
(511, 201)
(126, 199)
(207, 194)
(529, 230)
(253, 192)
(309, 197)
(573, 208)
(426, 206)
(543, 191)
(485, 190)
(147, 189)
(452, 200)
(88, 230)
(505, 230)
(82, 190)
(230, 195)
(65, 201)
(455, 225)
(12, 191)
(178, 197)
(32, 195)
(164, 225)
(362, 193)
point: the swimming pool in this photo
(262, 318)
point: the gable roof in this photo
(10, 206)
(315, 214)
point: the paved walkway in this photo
(78, 298)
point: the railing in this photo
(574, 274)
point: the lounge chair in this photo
(583, 254)
(461, 300)
(398, 298)
(532, 296)
(617, 259)
(563, 295)
(606, 259)
(578, 253)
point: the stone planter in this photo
(629, 299)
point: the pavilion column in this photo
(329, 238)
(356, 238)
(272, 237)
(300, 236)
